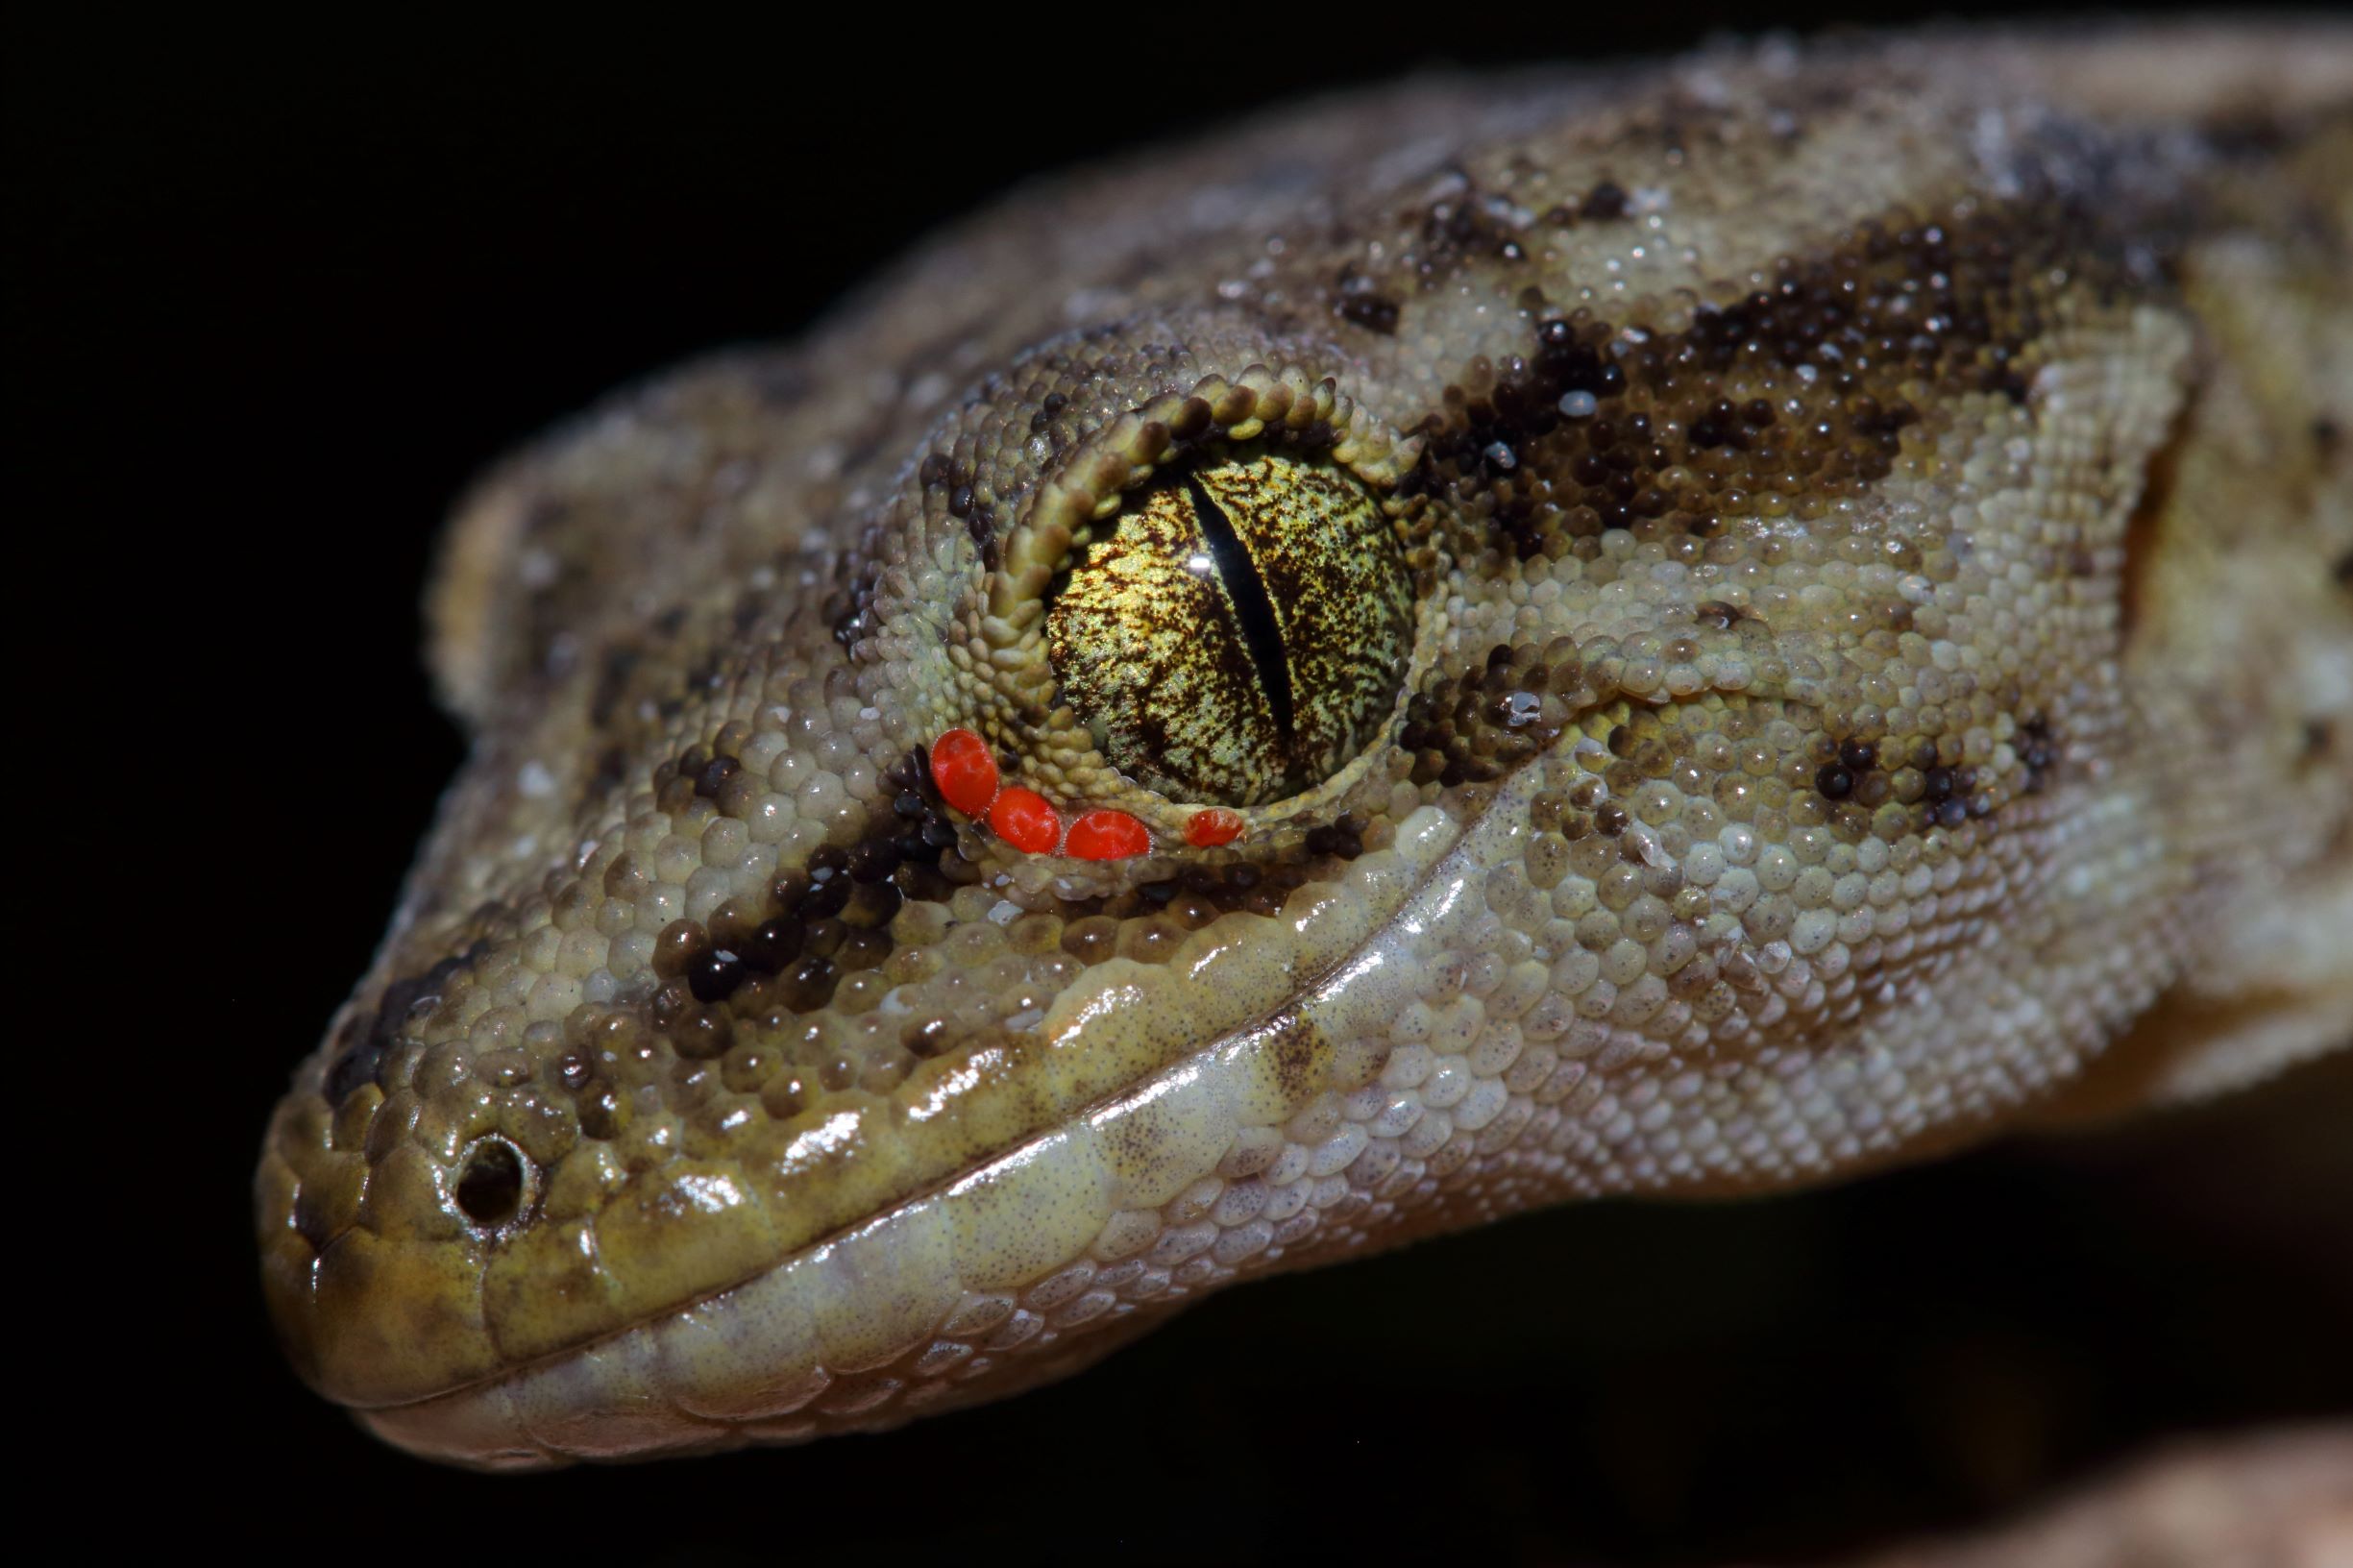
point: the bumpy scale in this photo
(1693, 632)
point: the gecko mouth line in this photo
(1309, 987)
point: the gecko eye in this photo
(1238, 631)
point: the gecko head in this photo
(1233, 798)
(977, 881)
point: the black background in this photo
(276, 293)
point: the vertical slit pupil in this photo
(1247, 590)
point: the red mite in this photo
(1025, 820)
(965, 771)
(1104, 834)
(1211, 826)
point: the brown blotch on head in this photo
(366, 1038)
(1358, 298)
(1605, 203)
(1596, 428)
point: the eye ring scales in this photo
(1266, 505)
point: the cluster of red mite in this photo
(965, 771)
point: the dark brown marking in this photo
(1658, 449)
(1605, 203)
(366, 1043)
(1299, 1052)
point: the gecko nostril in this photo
(490, 1187)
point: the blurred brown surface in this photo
(2275, 1500)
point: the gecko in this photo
(1663, 630)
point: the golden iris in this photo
(1240, 630)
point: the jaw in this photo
(1435, 1052)
(1245, 1155)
